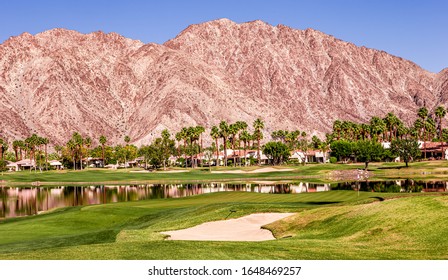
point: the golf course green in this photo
(327, 225)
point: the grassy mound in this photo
(328, 225)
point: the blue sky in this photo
(414, 30)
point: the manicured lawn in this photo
(328, 225)
(311, 172)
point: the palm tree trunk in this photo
(424, 140)
(217, 151)
(104, 163)
(200, 151)
(46, 158)
(225, 151)
(440, 138)
(245, 153)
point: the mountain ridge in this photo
(60, 81)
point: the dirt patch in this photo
(247, 228)
(350, 175)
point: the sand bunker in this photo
(247, 228)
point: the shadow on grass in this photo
(392, 167)
(322, 202)
(378, 197)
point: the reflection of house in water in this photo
(309, 187)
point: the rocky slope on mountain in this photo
(61, 81)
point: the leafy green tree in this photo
(367, 151)
(341, 149)
(406, 149)
(277, 152)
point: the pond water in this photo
(25, 201)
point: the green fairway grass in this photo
(428, 170)
(328, 225)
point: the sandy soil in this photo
(247, 228)
(261, 170)
(172, 171)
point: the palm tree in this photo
(233, 130)
(178, 138)
(258, 126)
(191, 137)
(440, 113)
(245, 137)
(78, 141)
(103, 141)
(337, 126)
(293, 138)
(377, 127)
(72, 146)
(184, 134)
(45, 141)
(215, 134)
(22, 147)
(3, 147)
(165, 139)
(390, 121)
(324, 147)
(242, 125)
(15, 147)
(423, 115)
(31, 143)
(58, 150)
(199, 130)
(304, 145)
(224, 131)
(88, 143)
(364, 131)
(127, 139)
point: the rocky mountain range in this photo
(61, 81)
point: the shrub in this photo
(333, 159)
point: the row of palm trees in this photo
(31, 147)
(234, 134)
(427, 127)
